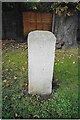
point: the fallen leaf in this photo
(7, 85)
(4, 81)
(74, 62)
(6, 69)
(15, 77)
(23, 68)
(26, 84)
(5, 97)
(16, 114)
(35, 116)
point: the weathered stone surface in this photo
(41, 53)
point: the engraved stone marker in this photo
(41, 53)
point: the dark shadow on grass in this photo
(55, 84)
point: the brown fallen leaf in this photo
(7, 85)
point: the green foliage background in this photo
(58, 7)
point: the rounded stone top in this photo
(42, 33)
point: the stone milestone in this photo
(41, 53)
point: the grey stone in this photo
(41, 53)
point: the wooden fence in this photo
(36, 21)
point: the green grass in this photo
(63, 103)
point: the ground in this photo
(62, 103)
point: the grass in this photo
(63, 102)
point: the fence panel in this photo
(36, 21)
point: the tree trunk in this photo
(66, 31)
